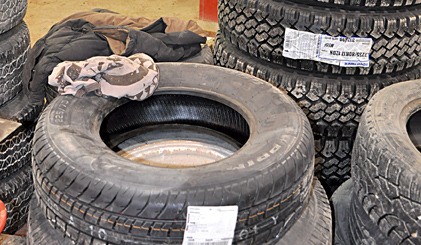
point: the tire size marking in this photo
(58, 113)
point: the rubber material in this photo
(341, 205)
(15, 150)
(11, 13)
(414, 129)
(15, 192)
(14, 46)
(94, 192)
(362, 230)
(333, 104)
(361, 4)
(386, 164)
(258, 27)
(315, 224)
(42, 231)
(205, 56)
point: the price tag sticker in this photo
(210, 225)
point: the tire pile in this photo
(381, 204)
(251, 39)
(88, 194)
(16, 185)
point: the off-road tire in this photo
(333, 104)
(386, 164)
(258, 27)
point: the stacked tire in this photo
(15, 146)
(381, 204)
(251, 39)
(87, 194)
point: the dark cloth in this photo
(78, 39)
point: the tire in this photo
(278, 189)
(205, 56)
(42, 231)
(341, 203)
(360, 4)
(14, 46)
(258, 27)
(15, 149)
(386, 163)
(15, 192)
(362, 230)
(12, 13)
(315, 224)
(352, 225)
(15, 166)
(333, 104)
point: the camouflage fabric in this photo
(135, 77)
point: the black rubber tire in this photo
(258, 26)
(315, 224)
(15, 192)
(11, 13)
(361, 4)
(205, 56)
(414, 130)
(90, 197)
(333, 104)
(14, 46)
(42, 231)
(341, 205)
(362, 230)
(15, 150)
(386, 164)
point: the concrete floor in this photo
(42, 14)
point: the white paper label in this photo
(210, 225)
(341, 51)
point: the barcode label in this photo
(209, 243)
(210, 225)
(340, 51)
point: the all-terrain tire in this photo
(386, 165)
(361, 4)
(362, 230)
(15, 192)
(14, 46)
(94, 193)
(11, 13)
(333, 104)
(258, 27)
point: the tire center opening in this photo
(175, 131)
(414, 129)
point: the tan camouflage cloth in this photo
(135, 77)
